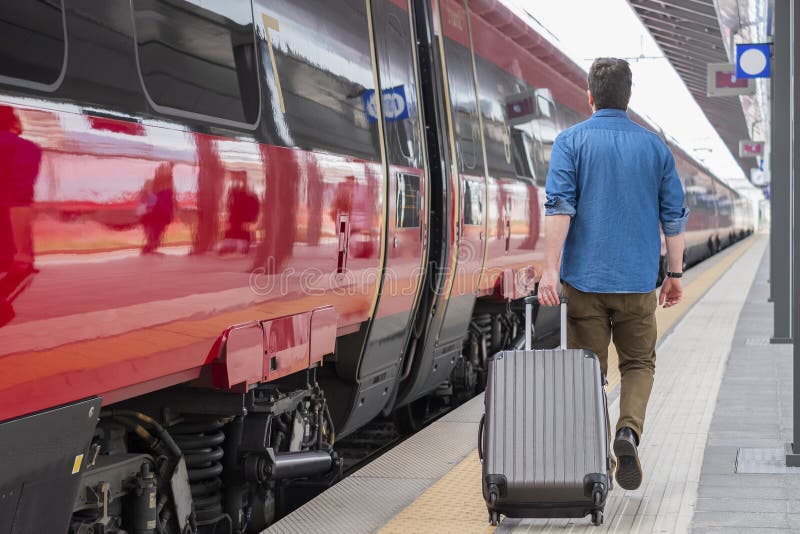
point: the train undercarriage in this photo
(194, 460)
(187, 460)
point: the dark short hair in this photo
(610, 82)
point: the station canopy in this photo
(690, 35)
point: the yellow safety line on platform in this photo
(455, 502)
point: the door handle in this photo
(344, 238)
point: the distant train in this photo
(232, 232)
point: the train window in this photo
(545, 109)
(398, 81)
(473, 203)
(318, 68)
(507, 148)
(464, 107)
(32, 43)
(522, 151)
(198, 57)
(408, 200)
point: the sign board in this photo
(527, 106)
(758, 177)
(395, 105)
(751, 149)
(753, 60)
(721, 80)
(520, 108)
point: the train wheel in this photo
(465, 381)
(411, 418)
(481, 384)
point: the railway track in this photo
(366, 444)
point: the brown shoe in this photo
(629, 470)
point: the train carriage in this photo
(234, 232)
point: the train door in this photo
(327, 83)
(716, 208)
(465, 189)
(470, 162)
(701, 219)
(545, 130)
(405, 153)
(406, 208)
(730, 217)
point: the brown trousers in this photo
(593, 319)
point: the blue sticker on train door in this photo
(395, 105)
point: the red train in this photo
(231, 232)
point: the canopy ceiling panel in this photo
(689, 34)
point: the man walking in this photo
(611, 183)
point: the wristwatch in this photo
(674, 275)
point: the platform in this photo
(718, 418)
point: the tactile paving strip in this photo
(459, 490)
(333, 512)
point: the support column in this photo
(780, 187)
(793, 449)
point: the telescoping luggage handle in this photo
(529, 320)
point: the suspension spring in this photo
(201, 440)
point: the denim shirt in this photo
(617, 181)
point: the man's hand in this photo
(555, 233)
(671, 292)
(548, 288)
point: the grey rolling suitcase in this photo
(542, 439)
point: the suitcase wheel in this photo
(597, 518)
(494, 515)
(494, 518)
(598, 494)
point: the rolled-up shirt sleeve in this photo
(672, 208)
(561, 187)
